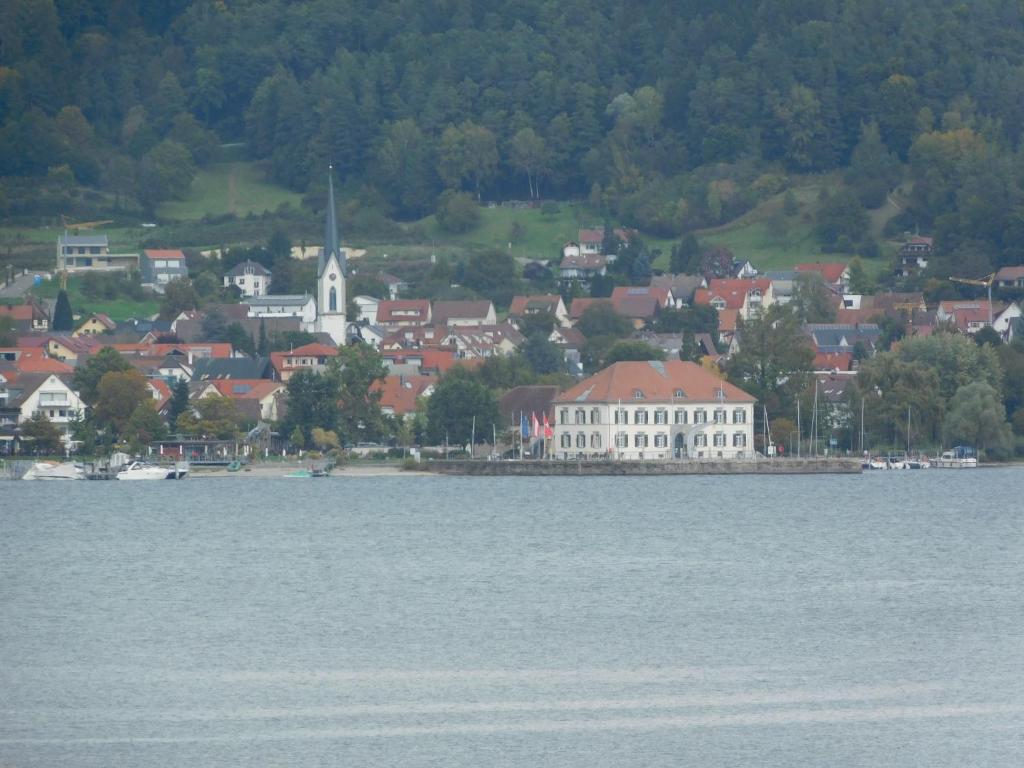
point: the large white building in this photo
(653, 410)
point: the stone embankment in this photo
(554, 468)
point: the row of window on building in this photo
(661, 416)
(641, 440)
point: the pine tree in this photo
(63, 319)
(179, 403)
(263, 345)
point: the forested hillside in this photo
(670, 116)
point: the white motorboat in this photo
(51, 470)
(140, 470)
(956, 459)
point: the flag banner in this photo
(524, 427)
(548, 432)
(536, 425)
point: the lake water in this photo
(872, 620)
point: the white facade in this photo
(330, 302)
(302, 307)
(251, 279)
(55, 400)
(654, 430)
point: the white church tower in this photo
(330, 276)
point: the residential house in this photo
(463, 313)
(681, 286)
(747, 297)
(1003, 321)
(399, 393)
(966, 316)
(367, 306)
(640, 303)
(395, 285)
(414, 337)
(301, 306)
(913, 255)
(250, 277)
(591, 241)
(898, 306)
(551, 304)
(570, 340)
(159, 267)
(161, 393)
(401, 313)
(28, 317)
(312, 357)
(91, 253)
(366, 333)
(422, 361)
(48, 394)
(189, 351)
(581, 305)
(654, 410)
(232, 368)
(471, 342)
(843, 338)
(70, 348)
(1010, 277)
(783, 281)
(582, 268)
(95, 324)
(262, 399)
(743, 270)
(835, 275)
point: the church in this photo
(330, 275)
(324, 313)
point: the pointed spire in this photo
(331, 246)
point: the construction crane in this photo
(984, 282)
(68, 224)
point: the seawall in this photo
(711, 467)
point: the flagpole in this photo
(472, 439)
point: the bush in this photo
(457, 212)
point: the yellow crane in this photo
(984, 282)
(68, 223)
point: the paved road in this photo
(21, 284)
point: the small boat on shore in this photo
(52, 470)
(140, 470)
(960, 457)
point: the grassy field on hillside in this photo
(540, 236)
(118, 309)
(234, 187)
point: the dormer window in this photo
(680, 393)
(638, 394)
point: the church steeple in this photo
(331, 246)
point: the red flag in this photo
(548, 432)
(536, 425)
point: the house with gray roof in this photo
(85, 253)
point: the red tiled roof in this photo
(32, 360)
(584, 261)
(831, 273)
(246, 389)
(17, 311)
(399, 393)
(657, 381)
(166, 253)
(1010, 273)
(640, 302)
(215, 349)
(395, 311)
(163, 390)
(597, 235)
(579, 306)
(733, 291)
(444, 311)
(439, 360)
(829, 361)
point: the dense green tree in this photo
(812, 301)
(144, 426)
(774, 360)
(889, 388)
(491, 274)
(874, 170)
(312, 402)
(601, 319)
(179, 402)
(543, 355)
(118, 394)
(840, 215)
(166, 172)
(632, 350)
(357, 369)
(179, 296)
(457, 401)
(457, 212)
(529, 153)
(63, 319)
(87, 377)
(685, 256)
(976, 417)
(41, 436)
(8, 331)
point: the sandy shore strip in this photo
(275, 469)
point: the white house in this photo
(91, 253)
(48, 394)
(367, 308)
(1001, 322)
(251, 278)
(653, 410)
(302, 306)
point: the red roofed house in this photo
(580, 267)
(748, 297)
(312, 357)
(34, 360)
(833, 361)
(965, 316)
(94, 324)
(262, 396)
(836, 276)
(592, 240)
(581, 305)
(403, 312)
(1010, 277)
(654, 410)
(398, 394)
(161, 393)
(426, 361)
(212, 349)
(27, 317)
(534, 305)
(160, 266)
(640, 303)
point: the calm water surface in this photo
(579, 623)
